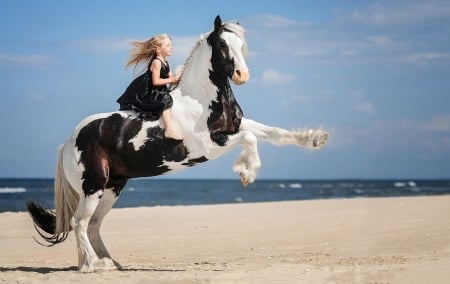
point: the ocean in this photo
(167, 192)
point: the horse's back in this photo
(122, 144)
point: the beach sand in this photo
(376, 240)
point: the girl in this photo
(153, 53)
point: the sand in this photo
(377, 240)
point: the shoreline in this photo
(358, 240)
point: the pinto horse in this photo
(106, 150)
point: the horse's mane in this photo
(239, 31)
(230, 26)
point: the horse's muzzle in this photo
(240, 76)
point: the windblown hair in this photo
(144, 51)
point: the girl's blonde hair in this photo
(144, 51)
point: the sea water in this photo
(159, 192)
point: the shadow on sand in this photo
(46, 270)
(42, 270)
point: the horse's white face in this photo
(228, 48)
(235, 45)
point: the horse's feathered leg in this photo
(87, 256)
(248, 162)
(312, 138)
(105, 261)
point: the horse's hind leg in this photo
(105, 261)
(87, 205)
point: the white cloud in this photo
(27, 60)
(100, 45)
(274, 77)
(358, 94)
(365, 107)
(397, 13)
(274, 21)
(380, 40)
(426, 57)
(362, 104)
(37, 96)
(408, 133)
(182, 47)
(385, 34)
(311, 51)
(439, 123)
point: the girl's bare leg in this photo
(170, 132)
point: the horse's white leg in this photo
(105, 261)
(248, 162)
(80, 222)
(312, 138)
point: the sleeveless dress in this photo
(142, 96)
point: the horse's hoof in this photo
(319, 139)
(86, 268)
(106, 264)
(244, 180)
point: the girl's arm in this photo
(156, 71)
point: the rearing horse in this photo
(106, 150)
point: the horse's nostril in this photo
(238, 72)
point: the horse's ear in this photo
(217, 23)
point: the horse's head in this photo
(228, 51)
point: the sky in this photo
(374, 74)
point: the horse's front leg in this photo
(248, 162)
(312, 138)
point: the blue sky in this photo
(375, 74)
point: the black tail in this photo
(45, 223)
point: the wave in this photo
(290, 185)
(295, 185)
(405, 184)
(12, 189)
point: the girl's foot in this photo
(173, 135)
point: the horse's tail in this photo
(54, 226)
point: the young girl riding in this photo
(153, 53)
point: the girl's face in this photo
(166, 47)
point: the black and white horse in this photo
(106, 150)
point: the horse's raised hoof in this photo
(244, 180)
(319, 138)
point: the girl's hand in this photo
(175, 79)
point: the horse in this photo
(106, 150)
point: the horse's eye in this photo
(222, 43)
